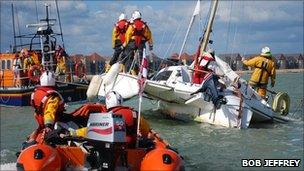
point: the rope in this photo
(227, 43)
(299, 106)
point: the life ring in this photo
(34, 74)
(281, 103)
(79, 70)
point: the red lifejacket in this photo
(138, 31)
(121, 27)
(39, 98)
(130, 117)
(198, 76)
(80, 70)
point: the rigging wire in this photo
(229, 22)
(37, 16)
(249, 30)
(174, 35)
(18, 25)
(59, 21)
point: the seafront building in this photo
(94, 63)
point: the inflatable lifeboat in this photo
(104, 148)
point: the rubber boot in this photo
(107, 68)
(122, 68)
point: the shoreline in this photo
(277, 71)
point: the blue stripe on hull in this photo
(24, 100)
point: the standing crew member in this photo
(264, 67)
(138, 33)
(17, 67)
(118, 38)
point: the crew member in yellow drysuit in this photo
(264, 67)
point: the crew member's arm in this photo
(128, 35)
(148, 35)
(250, 62)
(273, 75)
(50, 111)
(114, 37)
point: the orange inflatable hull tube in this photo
(39, 157)
(162, 159)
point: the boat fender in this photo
(281, 103)
(94, 86)
(162, 159)
(34, 74)
(111, 75)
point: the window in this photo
(8, 64)
(3, 65)
(162, 76)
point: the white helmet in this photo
(136, 15)
(113, 99)
(122, 16)
(265, 51)
(47, 79)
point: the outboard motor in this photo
(107, 135)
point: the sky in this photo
(240, 26)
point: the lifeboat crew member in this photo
(138, 33)
(114, 104)
(60, 58)
(204, 73)
(118, 38)
(48, 104)
(264, 67)
(17, 67)
(28, 62)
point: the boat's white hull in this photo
(125, 84)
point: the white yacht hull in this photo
(125, 84)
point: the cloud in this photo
(239, 25)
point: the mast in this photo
(14, 47)
(59, 24)
(209, 27)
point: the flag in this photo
(142, 76)
(197, 8)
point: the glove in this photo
(151, 47)
(272, 83)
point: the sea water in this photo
(203, 146)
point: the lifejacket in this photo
(264, 68)
(121, 27)
(39, 98)
(80, 70)
(201, 65)
(130, 117)
(138, 31)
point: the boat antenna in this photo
(17, 17)
(37, 16)
(195, 13)
(13, 17)
(59, 23)
(209, 27)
